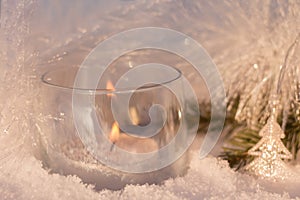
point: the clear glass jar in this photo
(98, 156)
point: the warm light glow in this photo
(115, 133)
(134, 116)
(130, 64)
(110, 87)
(179, 114)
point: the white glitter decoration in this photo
(270, 150)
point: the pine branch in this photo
(238, 145)
(242, 138)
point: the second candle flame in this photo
(110, 87)
(115, 133)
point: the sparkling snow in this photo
(209, 178)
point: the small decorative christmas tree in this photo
(248, 114)
(270, 150)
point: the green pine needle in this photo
(242, 138)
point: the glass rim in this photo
(102, 90)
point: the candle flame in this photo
(110, 87)
(115, 133)
(179, 114)
(134, 116)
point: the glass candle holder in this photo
(93, 154)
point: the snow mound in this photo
(209, 178)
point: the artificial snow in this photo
(210, 178)
(236, 42)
